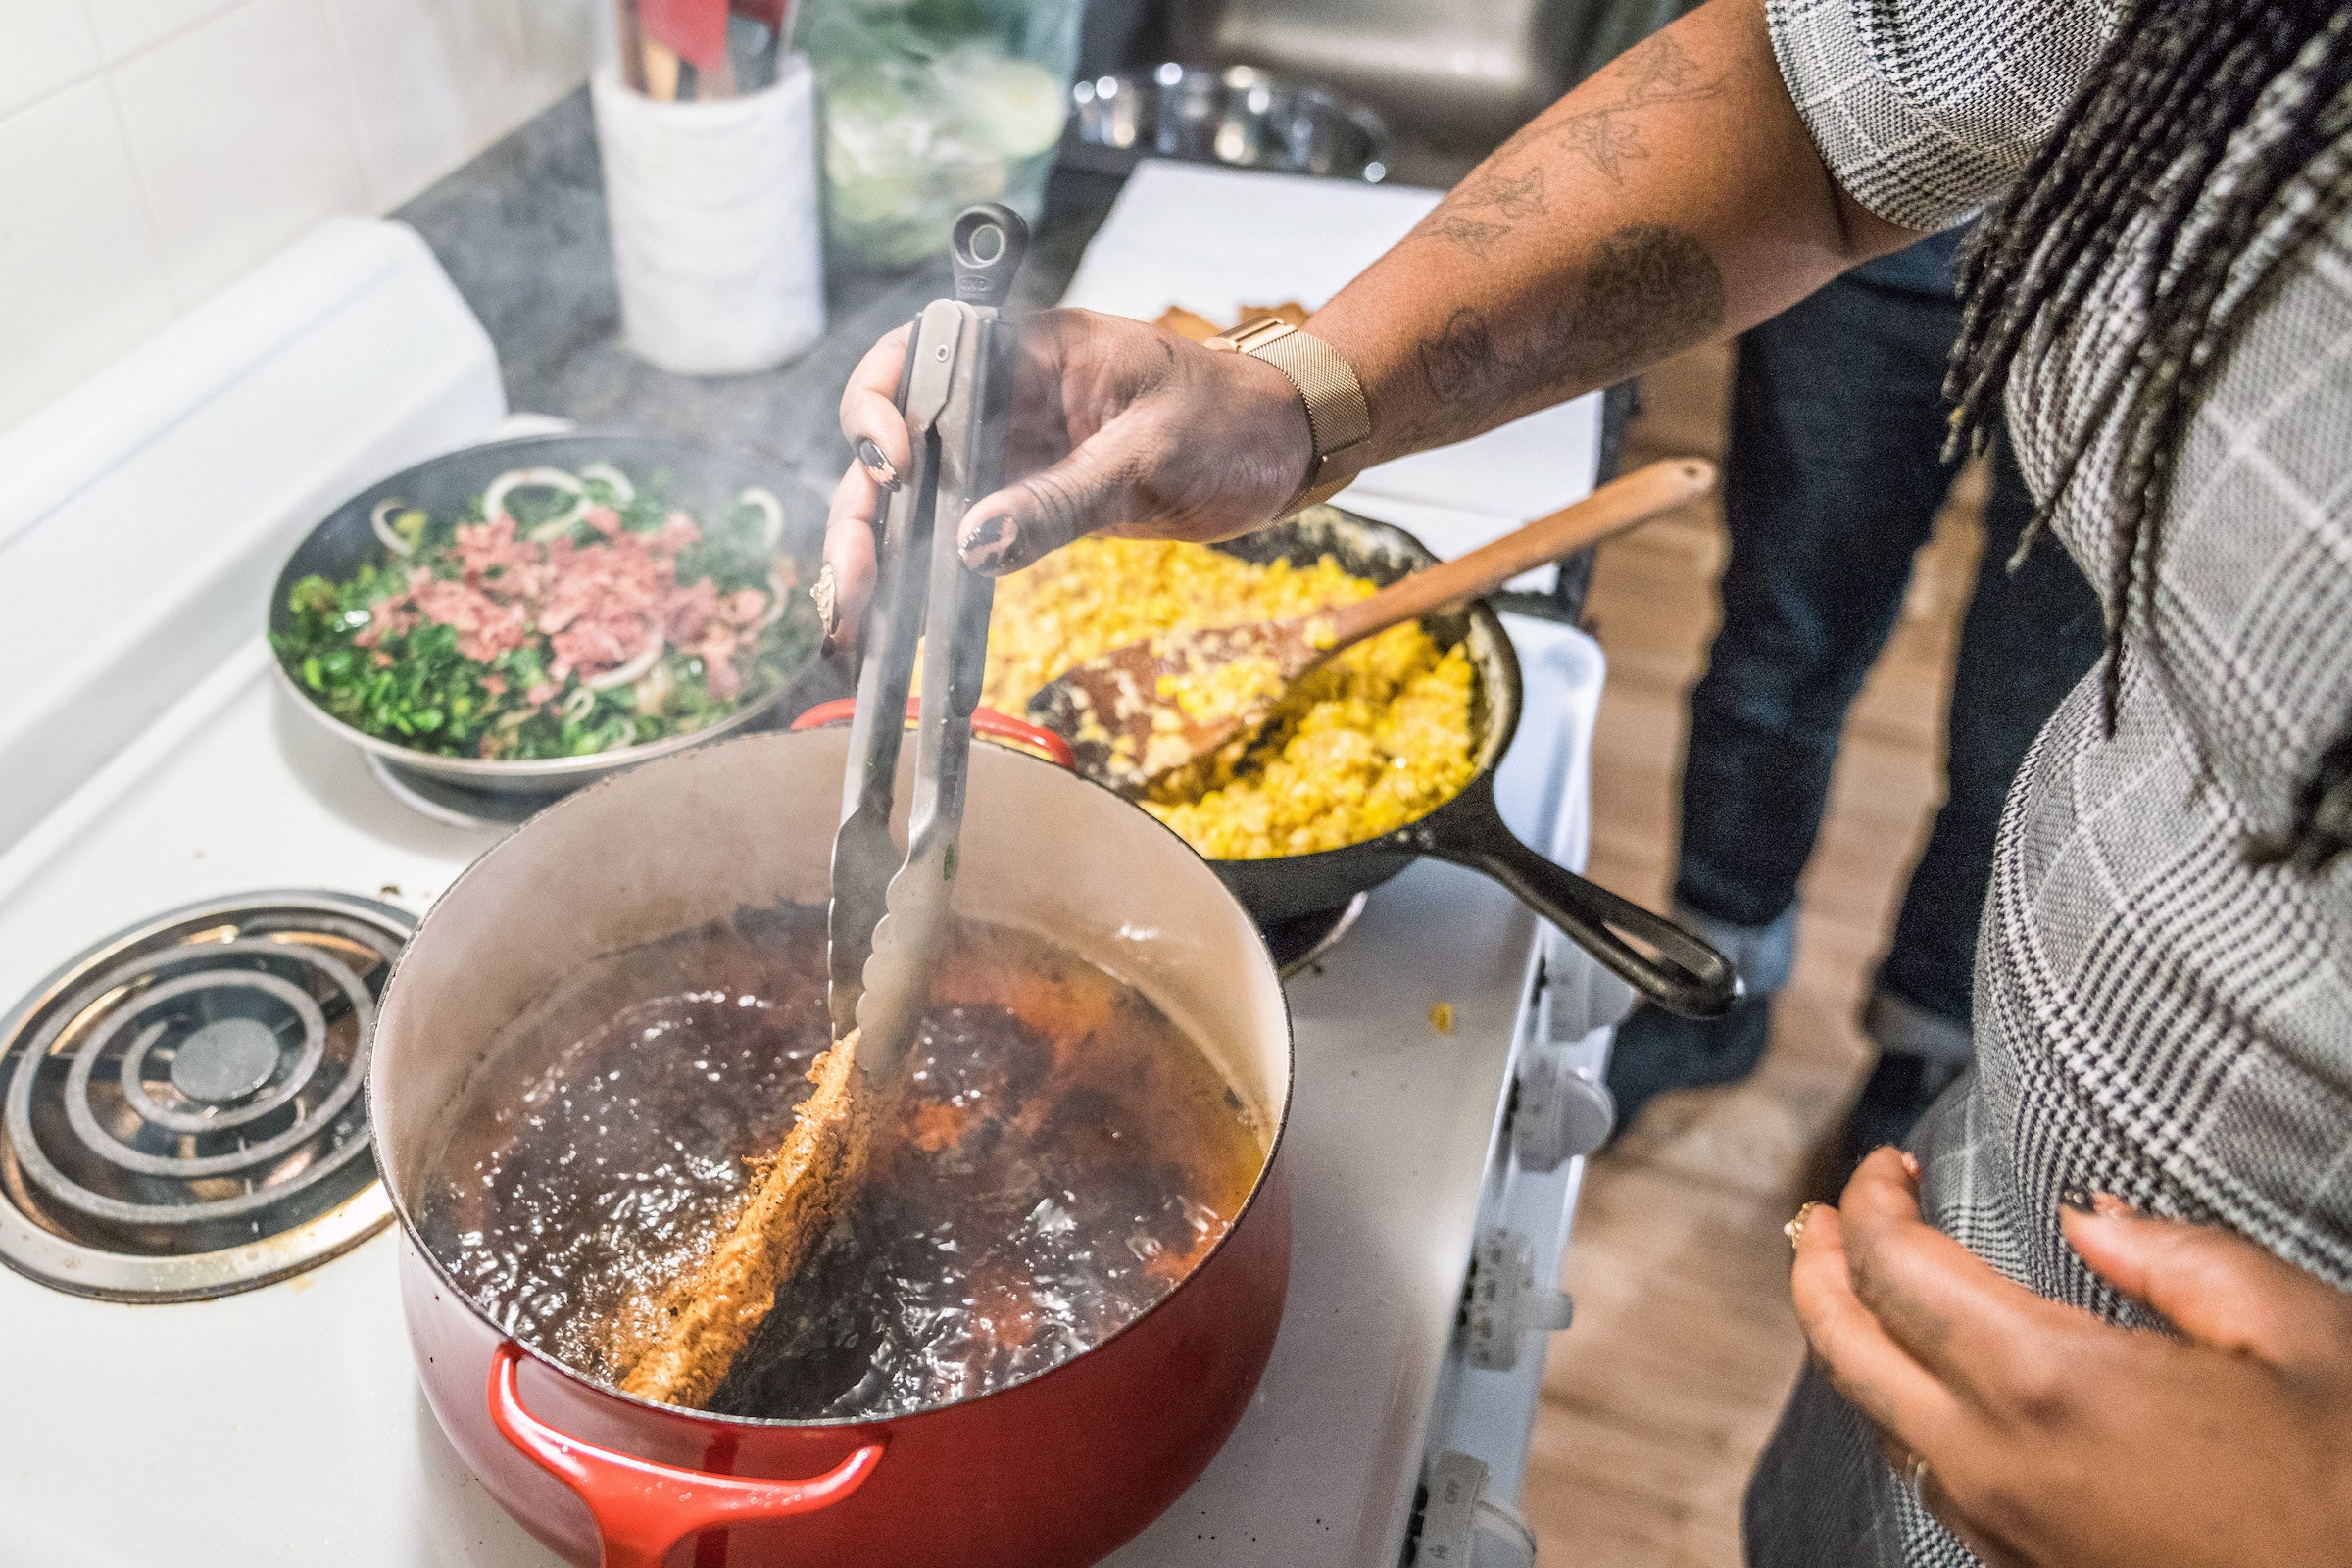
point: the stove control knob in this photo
(1561, 1114)
(1464, 1524)
(1503, 1305)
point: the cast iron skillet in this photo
(1681, 974)
(705, 480)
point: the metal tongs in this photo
(955, 394)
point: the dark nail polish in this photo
(986, 541)
(869, 453)
(2076, 1198)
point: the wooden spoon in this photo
(1140, 711)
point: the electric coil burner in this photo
(181, 1107)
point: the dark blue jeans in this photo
(1832, 482)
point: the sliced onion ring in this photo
(612, 476)
(777, 590)
(626, 674)
(765, 500)
(579, 705)
(654, 690)
(381, 520)
(494, 498)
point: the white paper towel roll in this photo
(713, 213)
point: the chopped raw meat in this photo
(598, 604)
(718, 647)
(690, 608)
(485, 627)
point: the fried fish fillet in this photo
(705, 1319)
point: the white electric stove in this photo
(160, 766)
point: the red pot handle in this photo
(642, 1509)
(986, 720)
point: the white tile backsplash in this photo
(246, 114)
(128, 27)
(555, 44)
(152, 150)
(48, 44)
(79, 277)
(423, 78)
(432, 80)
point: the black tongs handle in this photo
(985, 249)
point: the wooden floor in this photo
(1658, 1399)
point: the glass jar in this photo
(931, 105)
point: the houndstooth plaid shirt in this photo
(2153, 1016)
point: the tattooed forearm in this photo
(1460, 361)
(1606, 134)
(1472, 234)
(1674, 197)
(1647, 292)
(1485, 209)
(1491, 205)
(1650, 291)
(1509, 195)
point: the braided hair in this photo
(2207, 150)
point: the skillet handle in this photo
(1686, 977)
(643, 1509)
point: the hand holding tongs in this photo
(955, 393)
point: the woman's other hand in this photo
(2052, 1438)
(1116, 426)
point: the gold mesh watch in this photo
(1337, 420)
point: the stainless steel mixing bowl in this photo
(1239, 116)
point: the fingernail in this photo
(986, 542)
(1910, 1163)
(2076, 1198)
(2110, 1207)
(869, 453)
(828, 609)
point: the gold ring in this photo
(1795, 1228)
(825, 595)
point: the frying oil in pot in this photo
(1059, 1155)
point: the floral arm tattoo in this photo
(1651, 289)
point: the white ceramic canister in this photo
(714, 207)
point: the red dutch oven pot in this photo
(1052, 1472)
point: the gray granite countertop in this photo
(522, 231)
